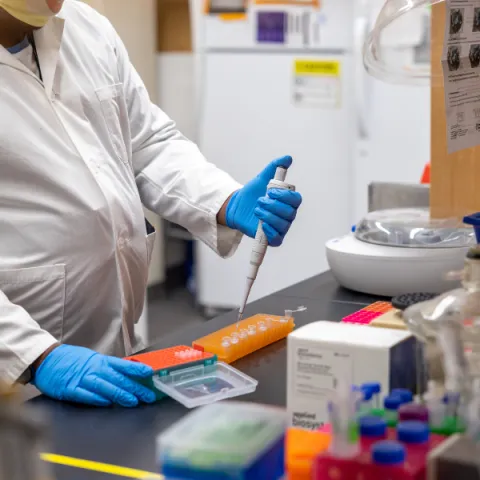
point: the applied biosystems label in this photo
(306, 420)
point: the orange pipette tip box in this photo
(170, 358)
(231, 343)
(301, 448)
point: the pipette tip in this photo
(239, 318)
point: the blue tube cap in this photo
(392, 402)
(413, 432)
(403, 393)
(371, 426)
(388, 452)
(474, 220)
(375, 387)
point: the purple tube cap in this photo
(413, 411)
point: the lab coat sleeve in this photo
(22, 341)
(173, 177)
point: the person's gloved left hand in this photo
(277, 209)
(78, 374)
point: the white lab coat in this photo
(78, 157)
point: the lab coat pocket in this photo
(40, 291)
(150, 245)
(111, 99)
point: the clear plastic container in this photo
(229, 440)
(413, 227)
(401, 33)
(201, 385)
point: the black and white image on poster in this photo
(474, 55)
(476, 20)
(461, 73)
(456, 20)
(453, 58)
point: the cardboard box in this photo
(456, 457)
(323, 353)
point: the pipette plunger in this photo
(261, 242)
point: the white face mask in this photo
(32, 12)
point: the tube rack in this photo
(251, 334)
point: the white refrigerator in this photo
(278, 80)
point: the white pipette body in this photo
(261, 243)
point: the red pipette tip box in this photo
(366, 315)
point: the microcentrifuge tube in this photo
(226, 342)
(235, 338)
(251, 330)
(243, 334)
(262, 330)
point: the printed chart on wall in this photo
(461, 72)
(317, 83)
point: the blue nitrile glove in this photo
(80, 375)
(277, 209)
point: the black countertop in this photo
(127, 437)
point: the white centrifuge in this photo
(397, 251)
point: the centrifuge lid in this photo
(413, 227)
(378, 60)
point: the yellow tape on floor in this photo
(100, 467)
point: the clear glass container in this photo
(397, 50)
(413, 228)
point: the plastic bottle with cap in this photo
(375, 388)
(403, 393)
(345, 442)
(366, 404)
(388, 453)
(372, 429)
(391, 404)
(413, 432)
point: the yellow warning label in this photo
(317, 67)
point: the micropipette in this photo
(261, 243)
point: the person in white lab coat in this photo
(81, 149)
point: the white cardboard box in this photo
(320, 353)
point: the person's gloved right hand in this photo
(80, 375)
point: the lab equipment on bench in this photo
(228, 441)
(400, 251)
(342, 409)
(368, 314)
(245, 337)
(400, 453)
(260, 245)
(321, 354)
(192, 377)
